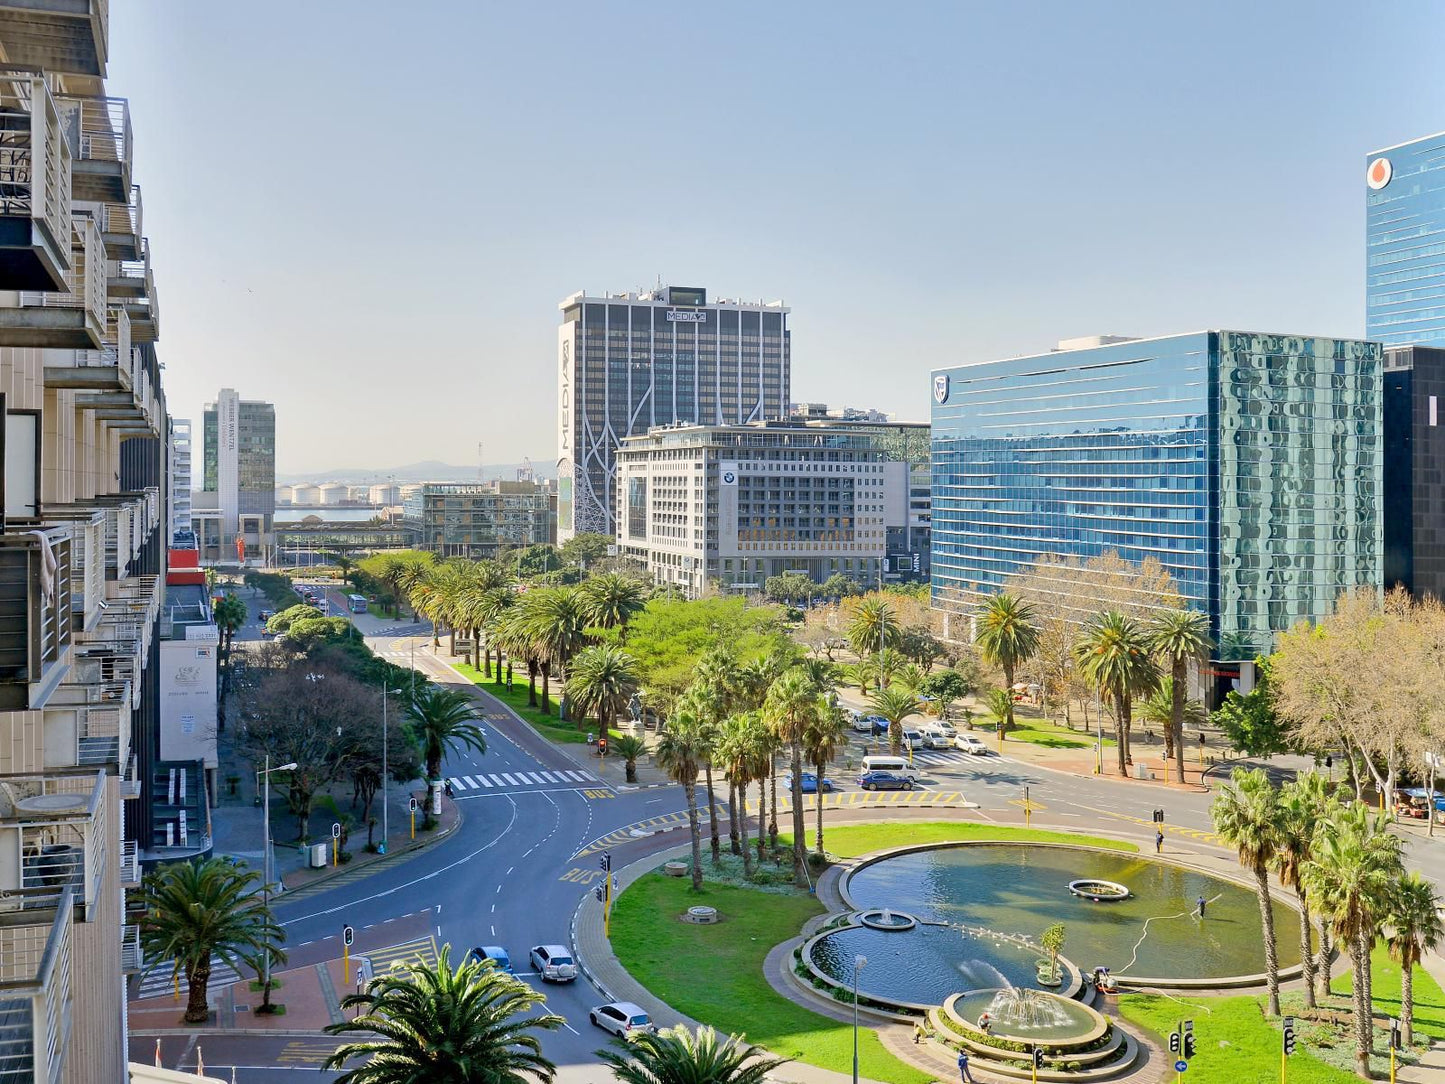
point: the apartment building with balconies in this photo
(81, 563)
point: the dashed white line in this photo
(509, 870)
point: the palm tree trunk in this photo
(1407, 1001)
(487, 662)
(1119, 732)
(1324, 959)
(1271, 950)
(800, 829)
(531, 683)
(1008, 682)
(716, 839)
(740, 818)
(820, 766)
(1364, 1037)
(197, 980)
(1366, 943)
(546, 669)
(694, 826)
(1174, 737)
(762, 819)
(773, 812)
(1126, 721)
(1306, 948)
(733, 819)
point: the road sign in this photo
(348, 935)
(1188, 1026)
(1180, 1066)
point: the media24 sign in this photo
(686, 316)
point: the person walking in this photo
(1158, 841)
(918, 1034)
(963, 1074)
(1202, 902)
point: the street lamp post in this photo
(384, 819)
(859, 963)
(265, 774)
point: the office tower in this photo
(479, 519)
(238, 505)
(1248, 464)
(180, 477)
(628, 362)
(1414, 499)
(1404, 254)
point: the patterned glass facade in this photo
(1248, 465)
(1405, 243)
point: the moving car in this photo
(913, 739)
(884, 781)
(554, 963)
(936, 735)
(810, 784)
(621, 1017)
(970, 743)
(880, 725)
(863, 723)
(495, 953)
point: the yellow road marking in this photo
(581, 876)
(306, 1051)
(598, 794)
(1031, 805)
(420, 950)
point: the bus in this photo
(356, 603)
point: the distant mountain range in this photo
(428, 470)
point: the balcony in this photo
(130, 871)
(34, 185)
(100, 146)
(130, 781)
(52, 833)
(35, 1001)
(59, 35)
(122, 226)
(92, 723)
(105, 371)
(72, 318)
(133, 287)
(131, 959)
(35, 623)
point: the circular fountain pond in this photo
(1028, 1015)
(1020, 889)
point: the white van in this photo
(886, 763)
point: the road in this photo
(508, 875)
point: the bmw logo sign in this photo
(729, 477)
(940, 388)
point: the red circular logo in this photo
(1378, 174)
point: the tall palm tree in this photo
(443, 720)
(825, 738)
(1351, 875)
(910, 676)
(734, 754)
(873, 625)
(229, 614)
(556, 625)
(763, 745)
(1302, 802)
(610, 600)
(1000, 702)
(430, 1023)
(482, 609)
(1179, 637)
(679, 752)
(895, 705)
(512, 636)
(714, 693)
(344, 566)
(1414, 925)
(1008, 635)
(1158, 708)
(1246, 815)
(792, 705)
(822, 673)
(411, 576)
(601, 679)
(212, 908)
(678, 1056)
(1113, 654)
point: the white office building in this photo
(179, 482)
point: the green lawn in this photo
(1429, 998)
(851, 840)
(735, 997)
(1048, 734)
(546, 724)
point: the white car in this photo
(554, 963)
(936, 735)
(621, 1017)
(970, 743)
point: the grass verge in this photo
(851, 840)
(545, 723)
(650, 941)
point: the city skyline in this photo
(905, 192)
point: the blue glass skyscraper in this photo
(1405, 243)
(1249, 465)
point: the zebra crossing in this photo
(515, 780)
(160, 981)
(953, 757)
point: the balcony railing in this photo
(35, 1001)
(100, 144)
(130, 873)
(122, 225)
(131, 959)
(102, 727)
(34, 184)
(53, 831)
(74, 317)
(130, 781)
(35, 624)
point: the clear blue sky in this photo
(368, 211)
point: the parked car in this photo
(862, 723)
(878, 724)
(811, 785)
(970, 743)
(621, 1017)
(553, 963)
(495, 953)
(884, 781)
(936, 735)
(913, 739)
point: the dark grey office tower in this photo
(628, 362)
(1414, 475)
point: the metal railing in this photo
(130, 875)
(35, 971)
(35, 621)
(57, 825)
(103, 717)
(130, 781)
(100, 128)
(131, 959)
(85, 281)
(125, 218)
(35, 158)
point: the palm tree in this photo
(344, 566)
(411, 576)
(1179, 637)
(763, 747)
(443, 720)
(910, 676)
(229, 614)
(1158, 708)
(511, 635)
(895, 705)
(1414, 929)
(1247, 817)
(678, 1056)
(601, 679)
(430, 1023)
(873, 625)
(556, 626)
(610, 600)
(1351, 875)
(713, 694)
(629, 747)
(1000, 702)
(1302, 802)
(197, 910)
(734, 754)
(1113, 653)
(792, 705)
(1007, 636)
(825, 737)
(680, 750)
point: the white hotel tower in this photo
(628, 362)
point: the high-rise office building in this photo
(1249, 465)
(628, 362)
(238, 505)
(1405, 243)
(1414, 496)
(180, 477)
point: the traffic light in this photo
(1038, 1057)
(1288, 1035)
(1158, 816)
(606, 862)
(1188, 1045)
(1395, 1042)
(1174, 1042)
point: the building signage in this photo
(729, 474)
(686, 316)
(564, 394)
(940, 388)
(1379, 173)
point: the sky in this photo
(367, 212)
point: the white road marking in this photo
(470, 781)
(570, 1028)
(495, 781)
(548, 776)
(509, 870)
(510, 781)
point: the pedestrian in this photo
(918, 1034)
(963, 1074)
(985, 1022)
(1202, 901)
(1158, 841)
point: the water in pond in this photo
(1025, 1014)
(1019, 889)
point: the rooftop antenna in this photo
(480, 465)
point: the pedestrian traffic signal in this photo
(1158, 816)
(347, 936)
(1395, 1043)
(1288, 1035)
(1174, 1042)
(1188, 1044)
(1038, 1057)
(606, 862)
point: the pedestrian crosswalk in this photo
(937, 757)
(515, 780)
(160, 981)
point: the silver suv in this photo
(554, 963)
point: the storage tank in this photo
(305, 495)
(384, 495)
(331, 493)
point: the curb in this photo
(407, 850)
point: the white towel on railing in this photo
(48, 564)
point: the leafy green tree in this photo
(197, 910)
(601, 679)
(670, 637)
(920, 647)
(1008, 635)
(444, 720)
(946, 687)
(677, 1056)
(629, 747)
(791, 587)
(839, 586)
(680, 750)
(1113, 653)
(610, 600)
(1413, 922)
(895, 705)
(585, 548)
(1251, 720)
(1247, 816)
(1178, 637)
(537, 560)
(432, 1024)
(281, 622)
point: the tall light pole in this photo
(265, 774)
(859, 963)
(385, 820)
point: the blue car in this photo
(495, 953)
(880, 725)
(810, 784)
(884, 781)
